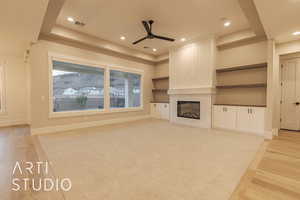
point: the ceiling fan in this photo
(150, 35)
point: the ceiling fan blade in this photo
(146, 25)
(164, 38)
(144, 38)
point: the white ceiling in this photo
(280, 18)
(20, 24)
(173, 18)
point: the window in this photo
(125, 89)
(77, 87)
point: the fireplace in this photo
(188, 109)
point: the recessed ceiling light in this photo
(227, 23)
(183, 39)
(122, 37)
(154, 49)
(70, 19)
(296, 33)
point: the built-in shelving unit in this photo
(159, 102)
(242, 85)
(160, 78)
(160, 90)
(245, 67)
(248, 105)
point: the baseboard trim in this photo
(13, 123)
(268, 135)
(261, 134)
(61, 128)
(275, 131)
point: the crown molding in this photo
(77, 39)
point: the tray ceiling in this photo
(188, 19)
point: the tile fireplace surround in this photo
(204, 95)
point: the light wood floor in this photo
(16, 145)
(275, 172)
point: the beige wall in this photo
(16, 91)
(40, 84)
(193, 65)
(243, 55)
(162, 69)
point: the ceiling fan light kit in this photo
(148, 27)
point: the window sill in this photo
(91, 112)
(114, 110)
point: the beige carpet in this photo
(150, 160)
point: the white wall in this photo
(40, 84)
(193, 65)
(16, 91)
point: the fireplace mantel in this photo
(192, 91)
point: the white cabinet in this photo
(243, 119)
(251, 119)
(154, 110)
(240, 118)
(258, 120)
(160, 110)
(164, 111)
(224, 117)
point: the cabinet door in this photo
(257, 120)
(218, 117)
(290, 95)
(154, 110)
(224, 117)
(230, 117)
(243, 119)
(164, 111)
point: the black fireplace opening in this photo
(188, 109)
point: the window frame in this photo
(106, 67)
